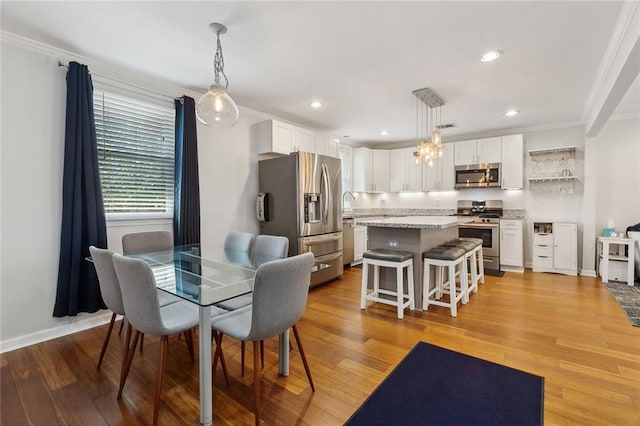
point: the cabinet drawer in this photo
(510, 224)
(542, 262)
(543, 239)
(544, 251)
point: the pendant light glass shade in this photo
(216, 108)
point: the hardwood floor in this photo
(569, 330)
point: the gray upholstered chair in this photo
(110, 289)
(269, 247)
(240, 241)
(265, 248)
(140, 242)
(140, 299)
(279, 299)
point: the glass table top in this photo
(203, 274)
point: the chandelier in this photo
(429, 148)
(216, 108)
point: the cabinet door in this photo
(359, 242)
(362, 170)
(304, 140)
(321, 144)
(414, 169)
(333, 146)
(512, 162)
(398, 170)
(431, 175)
(489, 150)
(565, 246)
(465, 153)
(511, 248)
(380, 170)
(447, 168)
(281, 137)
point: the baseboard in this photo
(516, 269)
(54, 332)
(588, 273)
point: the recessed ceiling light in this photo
(384, 133)
(491, 55)
(315, 104)
(511, 112)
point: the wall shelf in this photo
(553, 179)
(569, 149)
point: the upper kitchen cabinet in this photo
(326, 145)
(441, 176)
(276, 137)
(512, 162)
(487, 150)
(405, 173)
(365, 161)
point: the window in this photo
(135, 155)
(345, 156)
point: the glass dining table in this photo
(207, 275)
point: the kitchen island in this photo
(416, 234)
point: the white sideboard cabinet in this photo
(555, 247)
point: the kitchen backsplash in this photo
(507, 213)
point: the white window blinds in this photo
(135, 155)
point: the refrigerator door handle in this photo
(327, 195)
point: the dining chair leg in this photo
(242, 359)
(164, 342)
(304, 358)
(106, 340)
(219, 355)
(127, 359)
(262, 354)
(141, 342)
(256, 382)
(121, 326)
(188, 338)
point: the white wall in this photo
(618, 161)
(32, 150)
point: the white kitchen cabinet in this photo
(440, 177)
(304, 140)
(487, 150)
(512, 162)
(359, 243)
(511, 245)
(326, 145)
(275, 137)
(370, 170)
(555, 247)
(405, 174)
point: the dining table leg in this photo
(283, 351)
(206, 400)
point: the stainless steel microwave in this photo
(478, 175)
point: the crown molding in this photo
(625, 31)
(110, 74)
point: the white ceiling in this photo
(362, 59)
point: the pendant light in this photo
(427, 150)
(216, 108)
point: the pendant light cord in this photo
(218, 65)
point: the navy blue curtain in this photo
(83, 220)
(186, 206)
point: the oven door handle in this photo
(478, 225)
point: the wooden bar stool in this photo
(450, 257)
(397, 259)
(480, 261)
(471, 249)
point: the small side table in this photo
(604, 249)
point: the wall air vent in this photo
(445, 126)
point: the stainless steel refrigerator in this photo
(302, 201)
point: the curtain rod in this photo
(63, 65)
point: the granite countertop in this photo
(417, 222)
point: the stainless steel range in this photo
(486, 226)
